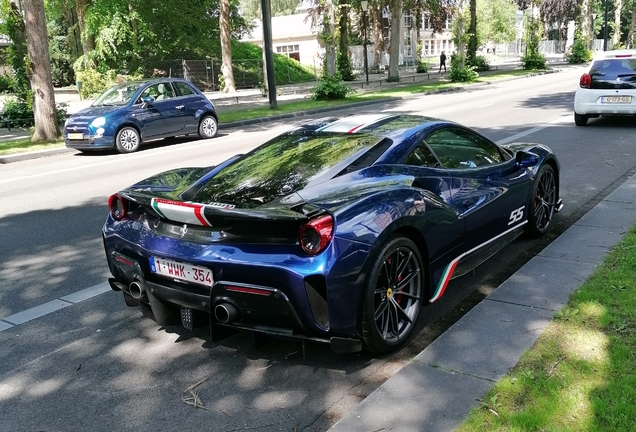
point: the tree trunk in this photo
(418, 27)
(19, 46)
(472, 30)
(226, 48)
(40, 75)
(632, 27)
(88, 41)
(395, 9)
(460, 35)
(378, 36)
(330, 33)
(616, 37)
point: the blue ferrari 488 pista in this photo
(338, 231)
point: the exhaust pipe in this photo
(137, 290)
(225, 313)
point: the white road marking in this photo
(483, 106)
(87, 293)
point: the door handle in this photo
(180, 107)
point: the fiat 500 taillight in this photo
(118, 207)
(315, 235)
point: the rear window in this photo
(614, 73)
(284, 165)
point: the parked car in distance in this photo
(128, 114)
(340, 231)
(608, 88)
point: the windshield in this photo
(118, 95)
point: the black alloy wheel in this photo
(544, 196)
(392, 296)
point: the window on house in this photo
(291, 51)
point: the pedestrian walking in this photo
(442, 62)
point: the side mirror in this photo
(526, 159)
(147, 100)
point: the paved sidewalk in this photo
(439, 388)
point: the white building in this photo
(293, 35)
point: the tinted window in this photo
(183, 89)
(284, 165)
(614, 73)
(457, 148)
(422, 156)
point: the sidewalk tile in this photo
(610, 215)
(488, 340)
(584, 243)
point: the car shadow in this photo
(149, 145)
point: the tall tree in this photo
(630, 35)
(472, 30)
(13, 26)
(88, 40)
(40, 74)
(496, 20)
(618, 7)
(375, 14)
(395, 9)
(226, 47)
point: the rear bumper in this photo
(275, 300)
(590, 102)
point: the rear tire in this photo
(208, 127)
(392, 296)
(127, 140)
(544, 197)
(580, 119)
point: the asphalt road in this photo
(98, 365)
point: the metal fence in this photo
(206, 74)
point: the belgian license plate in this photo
(617, 99)
(75, 136)
(181, 272)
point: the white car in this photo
(608, 88)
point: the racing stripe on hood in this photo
(354, 123)
(186, 212)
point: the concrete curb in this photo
(34, 155)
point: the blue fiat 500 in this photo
(128, 114)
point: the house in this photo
(294, 36)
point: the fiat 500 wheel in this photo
(392, 296)
(127, 140)
(544, 196)
(208, 127)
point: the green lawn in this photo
(284, 107)
(581, 373)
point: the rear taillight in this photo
(118, 207)
(586, 81)
(315, 235)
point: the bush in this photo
(331, 88)
(94, 82)
(7, 84)
(461, 74)
(422, 67)
(19, 113)
(480, 63)
(580, 53)
(534, 61)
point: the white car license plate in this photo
(75, 136)
(181, 272)
(617, 99)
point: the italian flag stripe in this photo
(446, 277)
(179, 211)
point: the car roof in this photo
(158, 80)
(615, 54)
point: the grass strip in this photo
(25, 144)
(580, 375)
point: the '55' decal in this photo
(516, 215)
